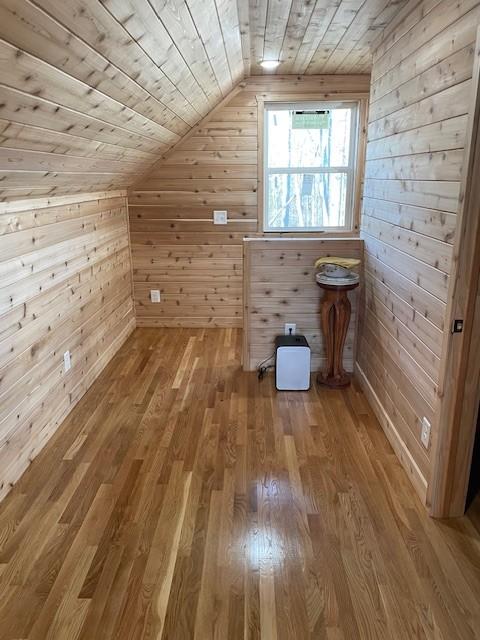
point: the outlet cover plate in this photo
(154, 295)
(220, 217)
(290, 326)
(425, 435)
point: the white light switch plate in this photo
(154, 295)
(425, 435)
(67, 361)
(220, 217)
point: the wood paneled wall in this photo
(65, 284)
(92, 92)
(175, 246)
(280, 287)
(420, 99)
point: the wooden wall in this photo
(280, 287)
(92, 93)
(65, 284)
(175, 246)
(420, 99)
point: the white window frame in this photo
(349, 170)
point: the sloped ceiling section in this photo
(93, 92)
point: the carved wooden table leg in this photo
(335, 311)
(327, 316)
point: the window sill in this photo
(307, 235)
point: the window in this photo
(310, 151)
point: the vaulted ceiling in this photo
(93, 91)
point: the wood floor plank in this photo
(184, 499)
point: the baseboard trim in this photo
(188, 323)
(398, 445)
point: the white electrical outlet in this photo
(67, 361)
(154, 295)
(220, 217)
(425, 437)
(290, 328)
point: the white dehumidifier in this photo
(292, 363)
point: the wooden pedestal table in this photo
(335, 311)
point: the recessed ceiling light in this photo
(270, 64)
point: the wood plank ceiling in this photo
(93, 92)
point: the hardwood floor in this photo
(182, 498)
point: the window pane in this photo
(306, 200)
(327, 145)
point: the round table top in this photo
(350, 281)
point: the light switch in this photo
(154, 295)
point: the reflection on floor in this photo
(184, 499)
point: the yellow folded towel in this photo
(346, 263)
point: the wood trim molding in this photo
(360, 163)
(260, 162)
(132, 283)
(398, 445)
(360, 304)
(246, 302)
(458, 398)
(302, 96)
(362, 99)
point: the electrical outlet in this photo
(67, 361)
(425, 437)
(220, 217)
(290, 328)
(154, 295)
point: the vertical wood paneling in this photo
(65, 284)
(420, 98)
(327, 36)
(176, 248)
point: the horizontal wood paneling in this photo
(65, 284)
(215, 167)
(280, 287)
(93, 93)
(420, 100)
(122, 81)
